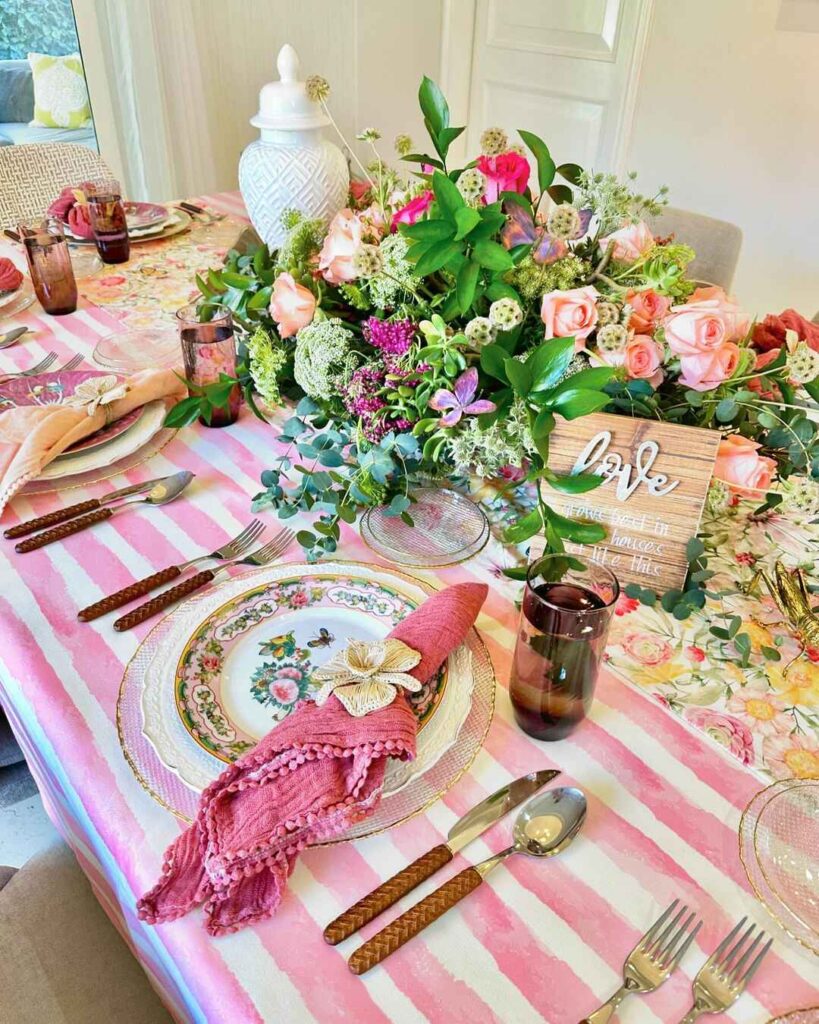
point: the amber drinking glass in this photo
(209, 350)
(108, 221)
(567, 608)
(49, 264)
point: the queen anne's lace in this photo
(367, 675)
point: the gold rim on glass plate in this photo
(756, 807)
(797, 1016)
(480, 740)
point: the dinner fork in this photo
(72, 364)
(722, 978)
(262, 556)
(652, 960)
(232, 549)
(40, 367)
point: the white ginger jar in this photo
(291, 166)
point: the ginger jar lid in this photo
(285, 104)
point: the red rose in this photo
(770, 333)
(10, 276)
(762, 385)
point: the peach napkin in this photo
(31, 436)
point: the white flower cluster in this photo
(505, 314)
(471, 184)
(395, 274)
(323, 361)
(803, 364)
(494, 141)
(563, 221)
(800, 497)
(612, 338)
(480, 331)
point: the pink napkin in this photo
(32, 435)
(308, 780)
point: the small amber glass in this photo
(108, 221)
(209, 350)
(49, 264)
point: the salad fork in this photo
(231, 550)
(652, 960)
(724, 975)
(262, 556)
(40, 367)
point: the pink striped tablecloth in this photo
(542, 941)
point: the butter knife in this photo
(61, 515)
(467, 828)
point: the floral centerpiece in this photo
(443, 323)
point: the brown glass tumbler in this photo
(209, 350)
(107, 213)
(49, 264)
(567, 607)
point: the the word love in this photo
(596, 458)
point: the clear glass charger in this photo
(141, 349)
(779, 849)
(448, 528)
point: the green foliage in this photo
(46, 26)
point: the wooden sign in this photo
(656, 479)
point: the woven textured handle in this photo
(164, 600)
(405, 927)
(64, 530)
(128, 594)
(389, 892)
(60, 516)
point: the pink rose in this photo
(413, 210)
(729, 732)
(506, 172)
(647, 309)
(340, 246)
(708, 370)
(695, 653)
(708, 319)
(292, 305)
(643, 359)
(284, 691)
(740, 465)
(630, 242)
(647, 648)
(570, 314)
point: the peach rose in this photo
(643, 359)
(647, 309)
(570, 314)
(707, 370)
(739, 465)
(340, 246)
(292, 305)
(702, 324)
(630, 242)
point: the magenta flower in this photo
(461, 400)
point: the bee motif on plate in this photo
(324, 638)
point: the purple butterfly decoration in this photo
(461, 400)
(522, 229)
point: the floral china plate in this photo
(144, 215)
(247, 664)
(252, 661)
(55, 389)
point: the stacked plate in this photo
(106, 447)
(226, 667)
(147, 222)
(16, 301)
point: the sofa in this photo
(17, 109)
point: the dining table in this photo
(541, 940)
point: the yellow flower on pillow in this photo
(799, 686)
(60, 92)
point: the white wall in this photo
(185, 75)
(728, 117)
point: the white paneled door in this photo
(564, 69)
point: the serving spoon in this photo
(546, 826)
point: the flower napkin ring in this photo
(366, 675)
(96, 392)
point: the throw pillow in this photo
(60, 93)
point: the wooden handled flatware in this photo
(545, 826)
(161, 492)
(467, 828)
(263, 556)
(232, 549)
(722, 978)
(652, 960)
(61, 515)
